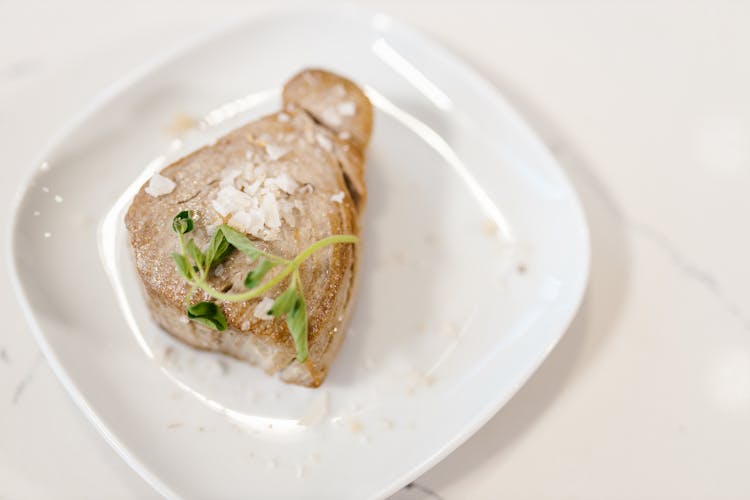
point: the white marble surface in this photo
(647, 106)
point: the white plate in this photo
(475, 259)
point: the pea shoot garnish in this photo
(194, 265)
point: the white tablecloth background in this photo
(647, 106)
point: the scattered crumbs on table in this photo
(180, 124)
(355, 425)
(490, 227)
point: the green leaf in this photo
(182, 223)
(240, 242)
(218, 249)
(196, 254)
(182, 264)
(284, 302)
(296, 320)
(208, 314)
(255, 276)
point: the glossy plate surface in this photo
(476, 257)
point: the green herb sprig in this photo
(194, 264)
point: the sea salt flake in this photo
(324, 142)
(331, 117)
(250, 222)
(270, 210)
(251, 189)
(347, 108)
(261, 310)
(229, 199)
(159, 186)
(338, 197)
(275, 152)
(283, 182)
(228, 176)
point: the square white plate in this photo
(475, 259)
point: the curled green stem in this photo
(291, 267)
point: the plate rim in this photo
(151, 64)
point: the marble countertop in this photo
(645, 104)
